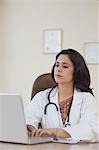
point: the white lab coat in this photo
(82, 117)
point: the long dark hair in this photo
(81, 73)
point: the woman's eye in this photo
(65, 66)
(56, 65)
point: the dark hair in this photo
(81, 72)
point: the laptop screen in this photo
(12, 120)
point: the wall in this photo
(97, 80)
(1, 48)
(23, 22)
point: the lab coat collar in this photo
(76, 96)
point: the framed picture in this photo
(52, 41)
(91, 52)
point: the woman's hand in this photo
(62, 133)
(30, 129)
(54, 132)
(44, 132)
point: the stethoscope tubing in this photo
(51, 103)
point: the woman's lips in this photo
(57, 75)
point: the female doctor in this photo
(68, 109)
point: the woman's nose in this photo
(59, 68)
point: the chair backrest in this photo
(41, 83)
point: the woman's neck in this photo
(65, 91)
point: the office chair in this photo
(41, 83)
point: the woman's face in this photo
(64, 70)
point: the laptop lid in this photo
(12, 120)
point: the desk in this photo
(49, 146)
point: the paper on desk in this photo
(65, 140)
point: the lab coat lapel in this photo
(76, 107)
(54, 99)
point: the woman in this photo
(72, 112)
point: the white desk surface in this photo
(49, 146)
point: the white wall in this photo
(97, 80)
(23, 22)
(1, 49)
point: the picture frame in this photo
(52, 41)
(91, 52)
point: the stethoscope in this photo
(51, 103)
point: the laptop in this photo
(12, 121)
